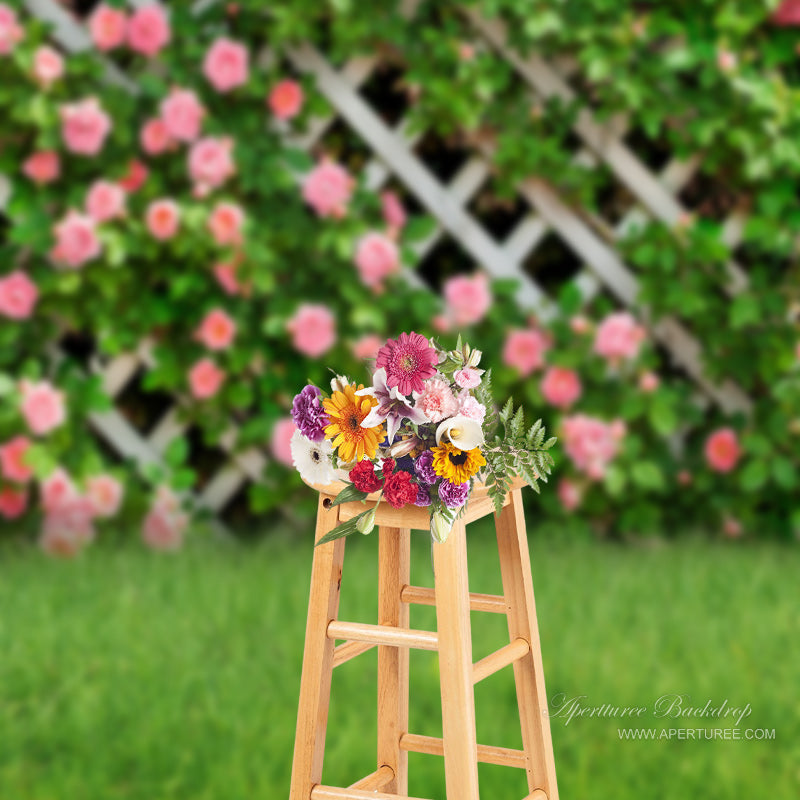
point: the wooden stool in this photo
(452, 640)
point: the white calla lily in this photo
(463, 432)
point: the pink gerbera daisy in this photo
(408, 360)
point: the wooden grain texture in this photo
(512, 652)
(349, 650)
(376, 781)
(335, 793)
(315, 682)
(515, 567)
(383, 634)
(455, 665)
(394, 572)
(487, 754)
(421, 595)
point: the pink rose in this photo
(580, 325)
(163, 218)
(376, 257)
(105, 201)
(787, 14)
(393, 212)
(182, 114)
(467, 298)
(148, 30)
(42, 407)
(726, 61)
(134, 178)
(48, 66)
(163, 530)
(225, 273)
(108, 27)
(618, 337)
(42, 167)
(205, 379)
(590, 443)
(313, 329)
(282, 434)
(84, 126)
(10, 30)
(286, 99)
(217, 330)
(367, 346)
(722, 450)
(226, 65)
(13, 502)
(648, 382)
(561, 387)
(524, 350)
(569, 494)
(12, 460)
(211, 163)
(154, 137)
(327, 189)
(225, 223)
(57, 490)
(18, 296)
(468, 377)
(76, 241)
(731, 527)
(59, 542)
(105, 495)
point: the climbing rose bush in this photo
(181, 221)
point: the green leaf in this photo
(754, 476)
(348, 494)
(615, 480)
(784, 473)
(345, 529)
(419, 229)
(647, 475)
(176, 453)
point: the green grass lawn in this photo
(128, 674)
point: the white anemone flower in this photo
(312, 459)
(463, 432)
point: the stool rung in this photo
(383, 634)
(375, 781)
(320, 792)
(512, 652)
(422, 596)
(537, 794)
(487, 754)
(344, 652)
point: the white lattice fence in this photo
(396, 157)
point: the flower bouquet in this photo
(422, 433)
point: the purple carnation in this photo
(423, 466)
(423, 496)
(454, 495)
(308, 414)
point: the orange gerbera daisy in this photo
(346, 412)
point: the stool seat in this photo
(414, 517)
(452, 641)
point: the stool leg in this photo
(455, 665)
(315, 683)
(515, 566)
(393, 574)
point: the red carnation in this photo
(388, 467)
(364, 478)
(400, 490)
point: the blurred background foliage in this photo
(717, 81)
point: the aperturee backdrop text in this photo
(420, 434)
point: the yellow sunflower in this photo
(454, 465)
(346, 412)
